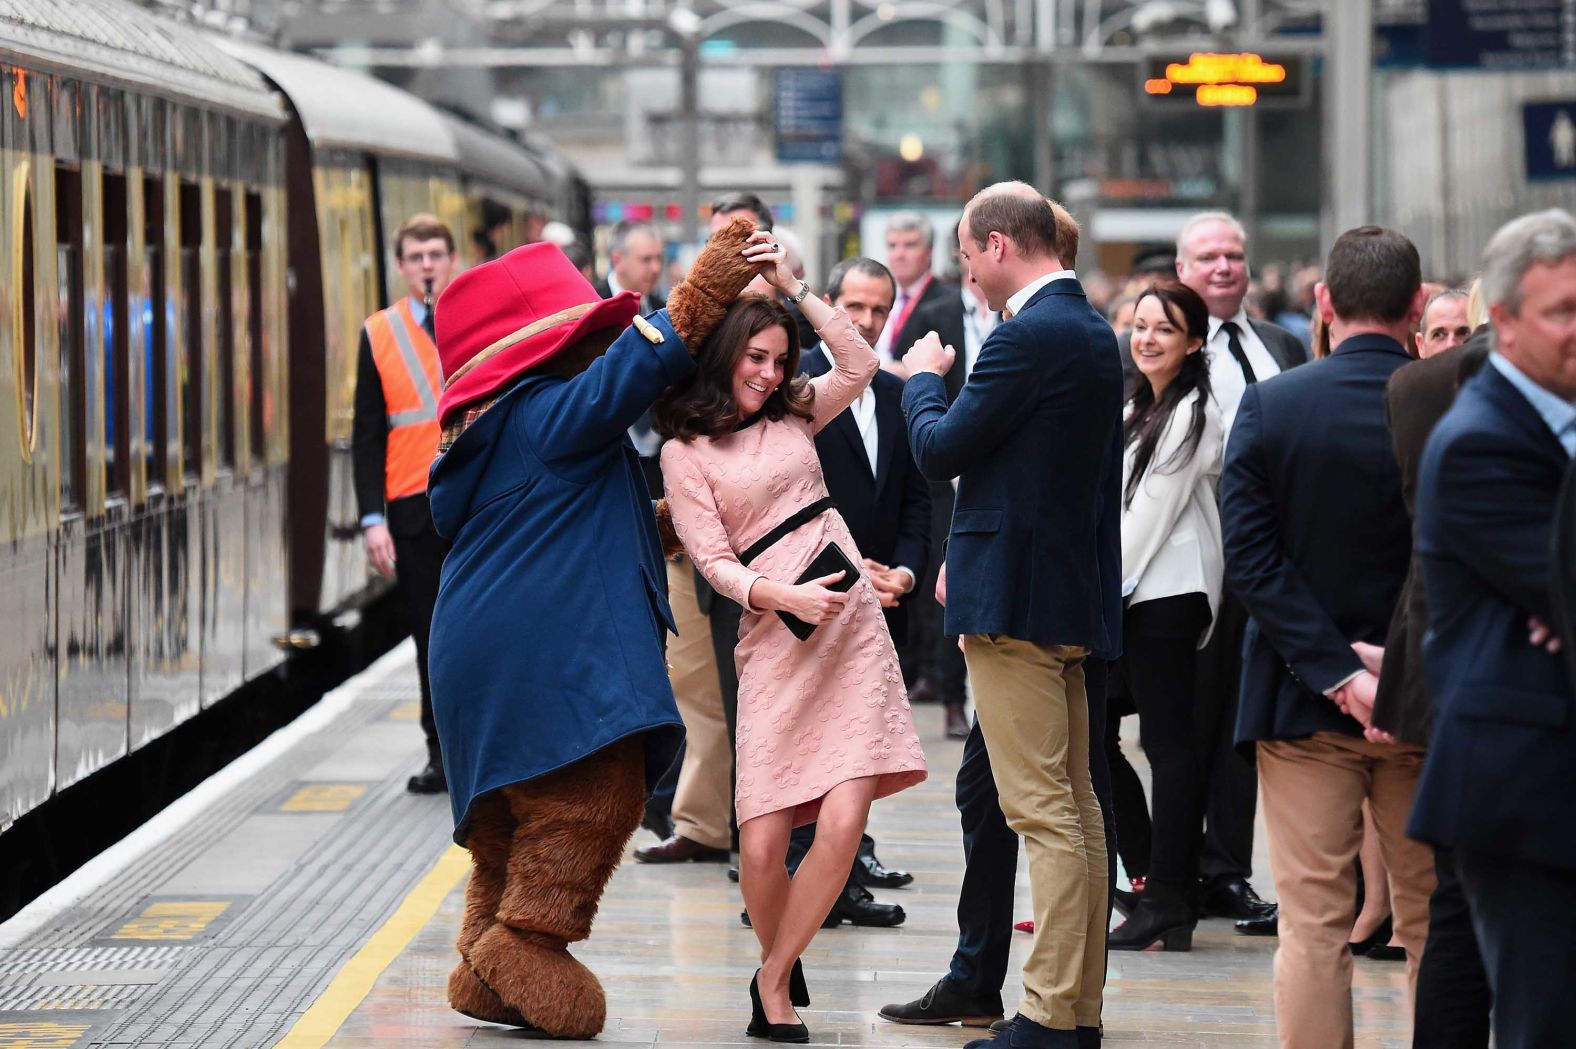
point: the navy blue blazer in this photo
(1502, 766)
(1316, 533)
(547, 639)
(887, 511)
(1035, 438)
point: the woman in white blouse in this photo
(1171, 570)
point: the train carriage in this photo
(141, 385)
(192, 231)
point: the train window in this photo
(28, 306)
(224, 226)
(156, 335)
(117, 339)
(254, 321)
(73, 362)
(191, 376)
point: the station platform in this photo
(301, 898)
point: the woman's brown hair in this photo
(703, 405)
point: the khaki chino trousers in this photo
(1034, 714)
(1313, 791)
(703, 798)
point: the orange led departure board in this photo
(1208, 79)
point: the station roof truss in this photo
(848, 32)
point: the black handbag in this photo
(829, 561)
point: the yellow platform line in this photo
(354, 981)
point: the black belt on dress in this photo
(799, 517)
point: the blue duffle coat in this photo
(548, 636)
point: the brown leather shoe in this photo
(679, 849)
(957, 722)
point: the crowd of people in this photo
(1315, 559)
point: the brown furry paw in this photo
(469, 995)
(539, 979)
(672, 546)
(697, 303)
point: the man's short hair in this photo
(859, 263)
(1373, 274)
(913, 222)
(745, 202)
(1204, 218)
(1544, 238)
(422, 226)
(619, 241)
(1036, 224)
(1448, 293)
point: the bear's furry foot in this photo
(469, 995)
(538, 978)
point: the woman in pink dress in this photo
(824, 723)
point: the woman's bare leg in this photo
(1376, 883)
(821, 876)
(763, 876)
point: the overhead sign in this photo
(1500, 34)
(1209, 79)
(1549, 129)
(808, 115)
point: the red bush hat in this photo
(498, 319)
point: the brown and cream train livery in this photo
(191, 233)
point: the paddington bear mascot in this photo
(548, 679)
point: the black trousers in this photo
(990, 850)
(1525, 917)
(1161, 649)
(1231, 781)
(1453, 998)
(418, 562)
(932, 656)
(1130, 808)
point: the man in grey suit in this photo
(1212, 260)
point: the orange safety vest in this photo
(407, 363)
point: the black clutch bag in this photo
(829, 561)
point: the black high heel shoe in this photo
(1378, 938)
(761, 1027)
(1153, 921)
(798, 990)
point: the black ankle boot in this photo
(1158, 917)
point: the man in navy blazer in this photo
(1033, 574)
(1317, 542)
(1501, 773)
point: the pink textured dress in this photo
(813, 713)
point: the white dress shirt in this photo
(1226, 380)
(978, 320)
(864, 410)
(1021, 298)
(1171, 541)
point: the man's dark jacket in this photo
(1502, 765)
(888, 512)
(1316, 534)
(936, 291)
(1415, 400)
(1035, 438)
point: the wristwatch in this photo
(804, 293)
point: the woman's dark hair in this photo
(1149, 417)
(703, 405)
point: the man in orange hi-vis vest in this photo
(394, 440)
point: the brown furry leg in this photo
(571, 827)
(491, 829)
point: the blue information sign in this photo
(808, 115)
(1550, 130)
(1500, 34)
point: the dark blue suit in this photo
(1047, 379)
(1501, 771)
(888, 512)
(1315, 551)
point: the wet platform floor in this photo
(313, 902)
